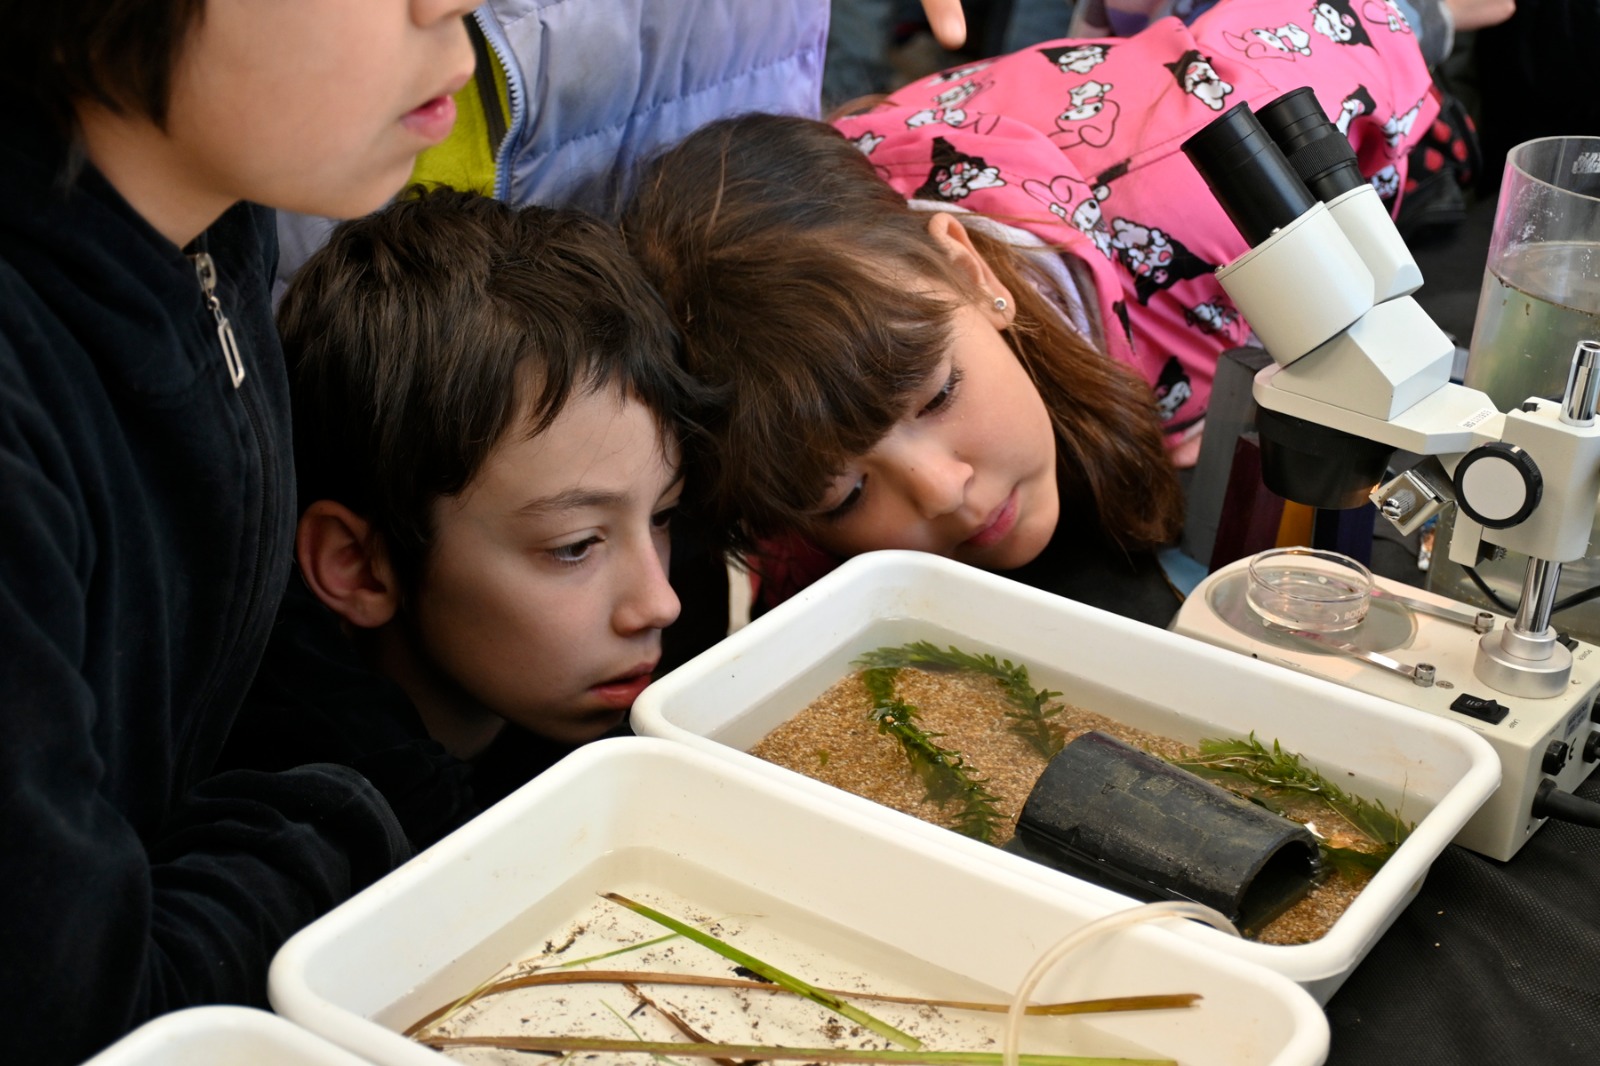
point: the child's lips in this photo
(1000, 523)
(620, 692)
(433, 120)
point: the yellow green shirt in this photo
(466, 159)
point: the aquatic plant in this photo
(1033, 711)
(944, 773)
(1251, 769)
(547, 978)
(766, 970)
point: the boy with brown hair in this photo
(487, 402)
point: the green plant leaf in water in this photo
(1031, 718)
(1249, 766)
(771, 973)
(944, 774)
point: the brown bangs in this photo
(792, 272)
(823, 364)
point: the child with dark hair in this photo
(979, 319)
(149, 497)
(487, 402)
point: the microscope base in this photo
(1536, 739)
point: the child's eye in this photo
(846, 505)
(574, 553)
(662, 519)
(946, 393)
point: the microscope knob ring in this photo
(1498, 485)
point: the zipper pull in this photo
(207, 271)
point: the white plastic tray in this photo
(495, 890)
(222, 1036)
(729, 697)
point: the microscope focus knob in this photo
(1498, 485)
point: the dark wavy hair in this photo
(782, 256)
(118, 53)
(418, 335)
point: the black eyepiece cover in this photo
(1248, 174)
(1315, 148)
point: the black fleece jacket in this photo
(146, 513)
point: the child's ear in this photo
(343, 561)
(952, 236)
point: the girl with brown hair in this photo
(979, 317)
(888, 377)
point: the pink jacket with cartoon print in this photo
(1079, 142)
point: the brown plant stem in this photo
(648, 977)
(676, 1022)
(589, 1044)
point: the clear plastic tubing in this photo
(1111, 923)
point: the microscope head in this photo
(1325, 287)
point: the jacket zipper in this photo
(488, 94)
(207, 272)
(495, 37)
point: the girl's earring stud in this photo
(1000, 303)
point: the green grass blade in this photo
(624, 950)
(772, 973)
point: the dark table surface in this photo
(1493, 962)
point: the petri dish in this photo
(1309, 588)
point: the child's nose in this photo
(648, 601)
(936, 482)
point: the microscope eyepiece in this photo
(1248, 174)
(1318, 152)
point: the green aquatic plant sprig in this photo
(1035, 709)
(1253, 765)
(944, 773)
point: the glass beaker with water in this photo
(1540, 297)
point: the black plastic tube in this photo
(1108, 812)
